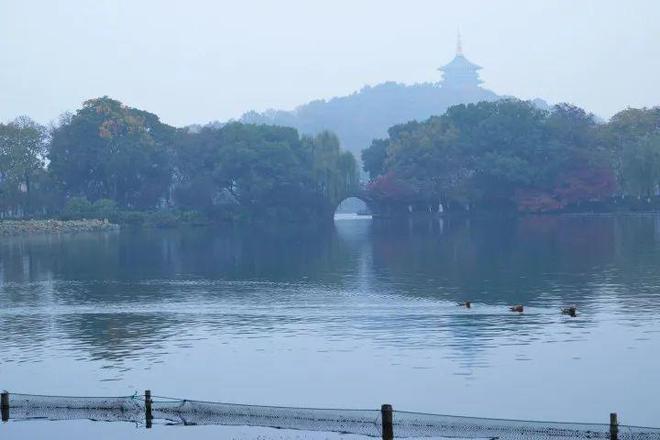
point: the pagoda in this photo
(460, 74)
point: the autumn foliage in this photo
(511, 155)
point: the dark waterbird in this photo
(517, 308)
(466, 304)
(570, 311)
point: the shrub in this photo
(105, 209)
(77, 208)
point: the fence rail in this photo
(385, 423)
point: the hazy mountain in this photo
(367, 114)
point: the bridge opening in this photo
(352, 207)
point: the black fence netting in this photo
(362, 422)
(111, 409)
(410, 424)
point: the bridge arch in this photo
(354, 204)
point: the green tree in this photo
(108, 150)
(641, 166)
(500, 155)
(334, 171)
(374, 157)
(22, 153)
(195, 183)
(257, 165)
(262, 172)
(633, 136)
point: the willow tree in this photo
(334, 171)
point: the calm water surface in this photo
(355, 316)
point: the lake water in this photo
(350, 317)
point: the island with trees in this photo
(110, 161)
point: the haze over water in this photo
(353, 317)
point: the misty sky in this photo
(198, 61)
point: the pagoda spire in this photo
(459, 45)
(460, 73)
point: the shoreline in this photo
(10, 228)
(510, 214)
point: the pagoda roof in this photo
(460, 63)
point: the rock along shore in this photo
(20, 227)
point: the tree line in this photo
(510, 155)
(111, 161)
(108, 160)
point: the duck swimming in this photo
(570, 311)
(517, 308)
(466, 304)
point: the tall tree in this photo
(374, 157)
(108, 150)
(634, 138)
(334, 171)
(22, 154)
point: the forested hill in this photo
(359, 118)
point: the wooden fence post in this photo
(386, 416)
(614, 427)
(147, 408)
(4, 404)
